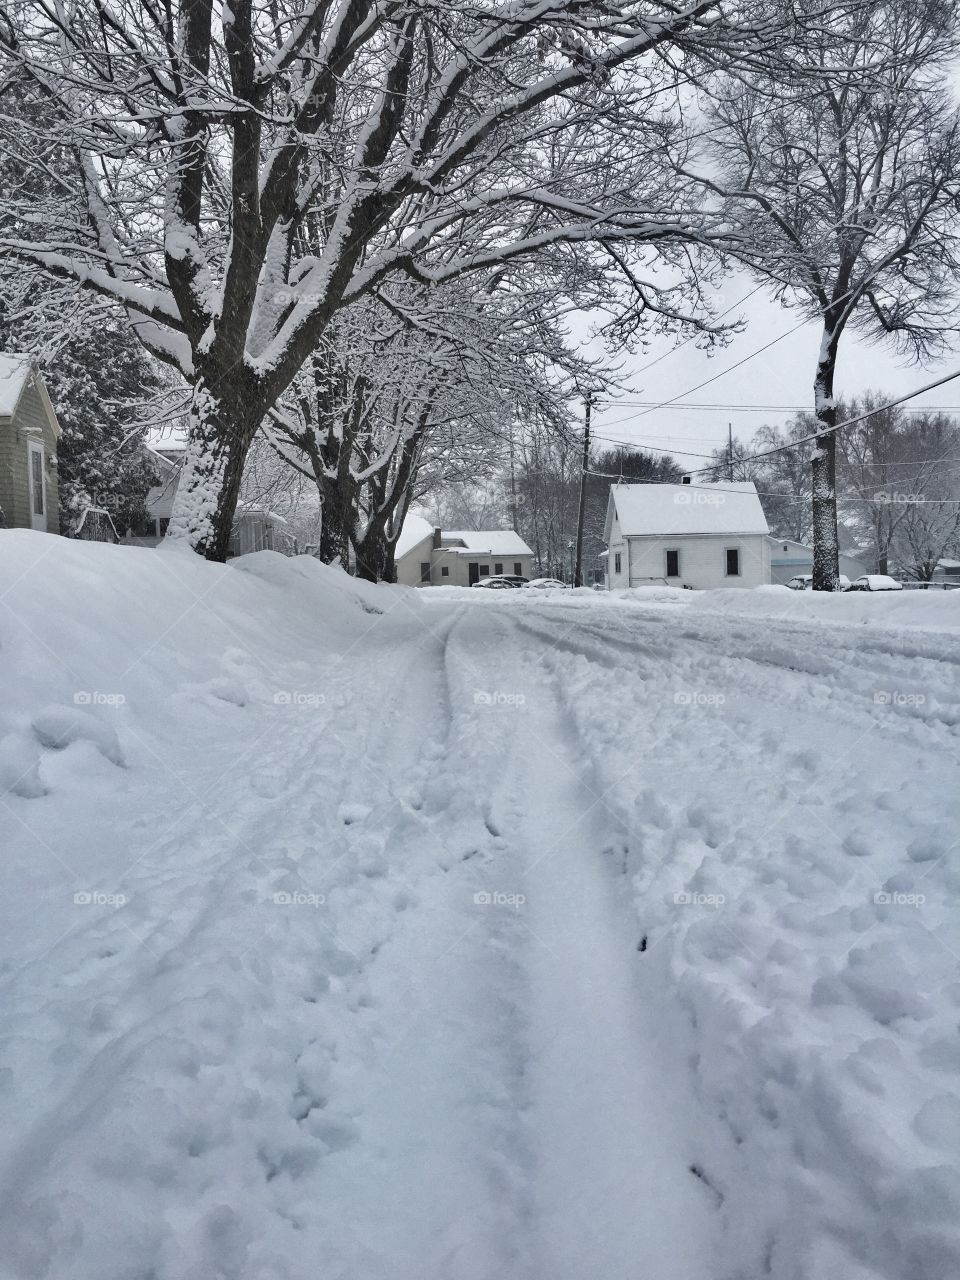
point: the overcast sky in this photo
(779, 376)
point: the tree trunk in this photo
(826, 550)
(375, 556)
(338, 514)
(331, 533)
(221, 432)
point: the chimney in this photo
(436, 537)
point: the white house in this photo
(947, 571)
(789, 558)
(686, 535)
(428, 556)
(255, 528)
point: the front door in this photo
(473, 568)
(38, 487)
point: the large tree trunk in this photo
(338, 515)
(826, 550)
(375, 556)
(332, 538)
(221, 432)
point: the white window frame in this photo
(38, 519)
(666, 562)
(739, 573)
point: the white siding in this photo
(408, 565)
(702, 560)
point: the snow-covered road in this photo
(452, 938)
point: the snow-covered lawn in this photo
(379, 934)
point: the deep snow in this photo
(378, 933)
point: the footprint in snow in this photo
(58, 727)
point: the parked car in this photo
(547, 584)
(875, 582)
(804, 582)
(501, 582)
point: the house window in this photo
(498, 568)
(616, 562)
(444, 571)
(484, 571)
(424, 570)
(733, 562)
(36, 462)
(673, 564)
(164, 525)
(518, 568)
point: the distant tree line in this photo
(897, 483)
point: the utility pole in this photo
(513, 471)
(729, 450)
(578, 567)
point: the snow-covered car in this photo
(875, 582)
(804, 582)
(501, 582)
(547, 584)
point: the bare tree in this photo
(238, 173)
(838, 167)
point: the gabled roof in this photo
(16, 372)
(461, 542)
(658, 510)
(487, 542)
(415, 530)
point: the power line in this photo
(771, 408)
(849, 422)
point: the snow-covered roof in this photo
(493, 542)
(727, 507)
(415, 529)
(14, 375)
(461, 542)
